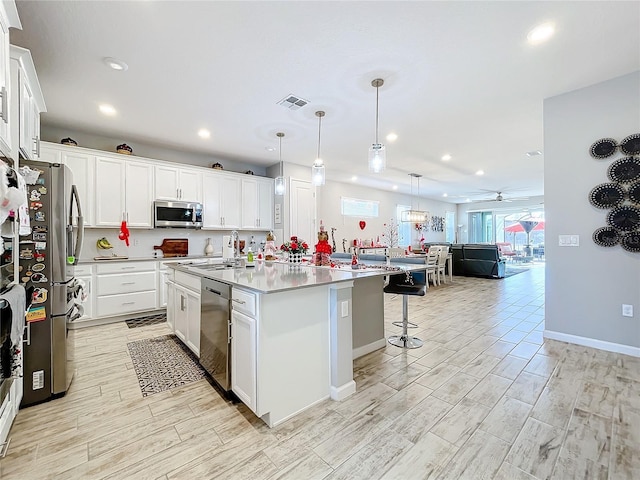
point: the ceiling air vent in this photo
(292, 102)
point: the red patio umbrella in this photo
(517, 227)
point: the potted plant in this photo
(295, 248)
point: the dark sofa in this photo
(475, 260)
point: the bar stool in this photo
(405, 284)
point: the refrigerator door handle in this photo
(80, 220)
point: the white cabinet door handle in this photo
(129, 303)
(128, 283)
(241, 302)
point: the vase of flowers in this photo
(295, 248)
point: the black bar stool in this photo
(405, 284)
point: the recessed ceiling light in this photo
(395, 187)
(468, 200)
(115, 64)
(533, 153)
(204, 133)
(540, 34)
(354, 178)
(392, 137)
(445, 195)
(480, 172)
(107, 109)
(270, 149)
(446, 157)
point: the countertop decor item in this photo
(174, 247)
(217, 166)
(103, 244)
(69, 141)
(249, 172)
(606, 237)
(603, 148)
(208, 249)
(606, 195)
(295, 248)
(124, 149)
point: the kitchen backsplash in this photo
(143, 241)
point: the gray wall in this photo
(586, 285)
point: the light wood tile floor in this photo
(485, 397)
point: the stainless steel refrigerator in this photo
(47, 259)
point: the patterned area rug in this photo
(146, 320)
(511, 271)
(162, 363)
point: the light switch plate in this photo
(345, 308)
(569, 240)
(627, 310)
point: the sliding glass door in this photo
(481, 227)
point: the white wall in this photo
(586, 285)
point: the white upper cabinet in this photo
(221, 200)
(82, 165)
(8, 18)
(124, 190)
(175, 183)
(257, 203)
(26, 106)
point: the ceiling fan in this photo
(500, 198)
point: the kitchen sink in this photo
(216, 266)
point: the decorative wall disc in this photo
(631, 144)
(631, 242)
(634, 193)
(625, 170)
(606, 237)
(625, 218)
(606, 195)
(603, 148)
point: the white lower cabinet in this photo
(243, 358)
(125, 288)
(186, 314)
(171, 294)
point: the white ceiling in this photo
(460, 78)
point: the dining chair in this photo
(396, 252)
(432, 264)
(442, 261)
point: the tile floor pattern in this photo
(486, 397)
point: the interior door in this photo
(303, 211)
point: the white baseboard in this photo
(371, 347)
(592, 342)
(343, 391)
(266, 418)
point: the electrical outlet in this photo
(345, 308)
(627, 310)
(136, 242)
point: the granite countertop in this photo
(271, 277)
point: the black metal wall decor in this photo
(621, 196)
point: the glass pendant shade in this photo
(280, 184)
(317, 173)
(377, 158)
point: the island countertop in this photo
(271, 277)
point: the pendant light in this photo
(317, 170)
(280, 184)
(415, 215)
(377, 152)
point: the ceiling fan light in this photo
(317, 175)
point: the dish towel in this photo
(16, 298)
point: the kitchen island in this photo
(292, 329)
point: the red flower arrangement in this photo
(295, 246)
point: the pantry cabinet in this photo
(222, 200)
(175, 183)
(26, 106)
(124, 191)
(257, 203)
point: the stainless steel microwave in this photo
(177, 214)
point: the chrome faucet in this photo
(236, 247)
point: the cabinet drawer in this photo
(82, 270)
(244, 301)
(126, 267)
(189, 281)
(111, 305)
(126, 283)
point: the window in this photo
(353, 207)
(404, 228)
(481, 227)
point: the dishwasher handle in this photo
(209, 289)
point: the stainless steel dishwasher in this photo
(215, 331)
